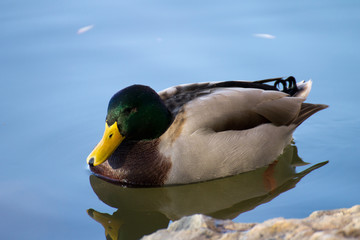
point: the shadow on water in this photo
(141, 211)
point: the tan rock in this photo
(328, 225)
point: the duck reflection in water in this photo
(142, 211)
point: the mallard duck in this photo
(198, 132)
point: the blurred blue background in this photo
(56, 83)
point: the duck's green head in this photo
(134, 113)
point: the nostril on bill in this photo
(91, 162)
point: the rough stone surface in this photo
(324, 225)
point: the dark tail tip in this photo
(308, 109)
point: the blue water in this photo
(56, 83)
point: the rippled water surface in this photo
(60, 62)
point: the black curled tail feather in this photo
(287, 85)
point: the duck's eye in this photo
(110, 136)
(129, 110)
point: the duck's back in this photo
(175, 97)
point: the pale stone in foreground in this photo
(328, 225)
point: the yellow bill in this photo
(110, 141)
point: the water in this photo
(55, 86)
